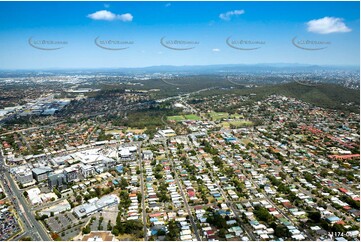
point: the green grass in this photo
(192, 117)
(180, 118)
(177, 118)
(236, 116)
(218, 116)
(237, 123)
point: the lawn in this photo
(192, 117)
(177, 118)
(237, 123)
(236, 116)
(218, 116)
(113, 131)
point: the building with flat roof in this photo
(41, 173)
(22, 174)
(57, 181)
(71, 174)
(125, 153)
(147, 154)
(99, 236)
(87, 170)
(167, 133)
(95, 205)
(24, 177)
(34, 196)
(56, 209)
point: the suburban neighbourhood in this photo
(219, 178)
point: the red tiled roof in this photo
(210, 232)
(344, 190)
(191, 193)
(155, 215)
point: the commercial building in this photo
(99, 236)
(34, 196)
(24, 177)
(87, 170)
(56, 209)
(71, 174)
(22, 174)
(147, 154)
(95, 205)
(167, 133)
(57, 181)
(41, 173)
(127, 152)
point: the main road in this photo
(24, 211)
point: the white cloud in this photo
(327, 25)
(127, 17)
(109, 16)
(216, 50)
(227, 16)
(167, 5)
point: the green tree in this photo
(115, 231)
(57, 193)
(222, 233)
(109, 226)
(79, 198)
(86, 229)
(315, 216)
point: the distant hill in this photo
(187, 69)
(330, 96)
(325, 95)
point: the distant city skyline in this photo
(71, 35)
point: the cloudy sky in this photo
(44, 35)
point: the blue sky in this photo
(272, 25)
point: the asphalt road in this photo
(32, 227)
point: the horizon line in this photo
(199, 65)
